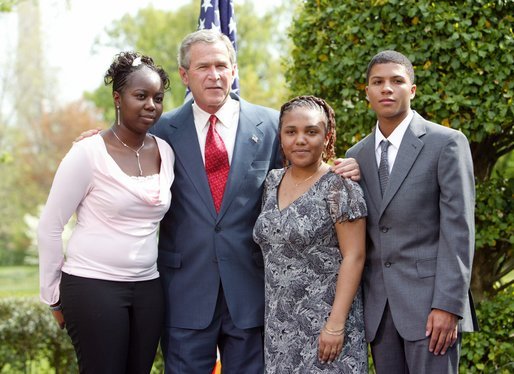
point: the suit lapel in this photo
(370, 173)
(410, 148)
(184, 140)
(248, 138)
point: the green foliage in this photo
(19, 281)
(158, 34)
(5, 157)
(461, 50)
(494, 217)
(32, 342)
(504, 168)
(20, 194)
(30, 335)
(28, 173)
(464, 65)
(491, 350)
(7, 5)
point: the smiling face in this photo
(140, 100)
(210, 75)
(389, 92)
(303, 136)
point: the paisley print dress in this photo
(301, 262)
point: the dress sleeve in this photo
(71, 183)
(345, 200)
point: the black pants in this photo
(114, 326)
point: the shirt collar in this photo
(225, 114)
(397, 135)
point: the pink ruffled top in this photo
(115, 237)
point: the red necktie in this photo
(216, 163)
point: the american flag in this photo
(219, 14)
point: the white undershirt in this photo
(228, 118)
(395, 139)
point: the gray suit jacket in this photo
(199, 249)
(420, 235)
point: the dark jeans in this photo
(114, 326)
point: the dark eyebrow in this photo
(380, 77)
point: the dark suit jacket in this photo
(420, 235)
(198, 248)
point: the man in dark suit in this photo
(212, 271)
(417, 178)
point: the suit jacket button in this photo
(387, 264)
(217, 228)
(384, 229)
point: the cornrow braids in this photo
(125, 63)
(315, 103)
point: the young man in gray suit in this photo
(211, 269)
(418, 181)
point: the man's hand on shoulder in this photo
(87, 134)
(347, 168)
(442, 329)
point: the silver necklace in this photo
(133, 150)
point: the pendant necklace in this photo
(133, 150)
(306, 179)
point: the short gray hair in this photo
(208, 36)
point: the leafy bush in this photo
(32, 342)
(491, 350)
(31, 336)
(494, 217)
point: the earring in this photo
(118, 115)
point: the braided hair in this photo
(125, 63)
(315, 103)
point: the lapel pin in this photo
(255, 138)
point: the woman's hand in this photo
(59, 318)
(330, 346)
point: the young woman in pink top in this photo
(104, 287)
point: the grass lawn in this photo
(19, 281)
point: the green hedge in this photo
(491, 350)
(32, 342)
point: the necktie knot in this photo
(384, 144)
(212, 120)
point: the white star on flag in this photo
(206, 5)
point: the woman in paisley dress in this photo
(312, 234)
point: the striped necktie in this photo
(383, 169)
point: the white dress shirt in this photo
(228, 118)
(395, 139)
